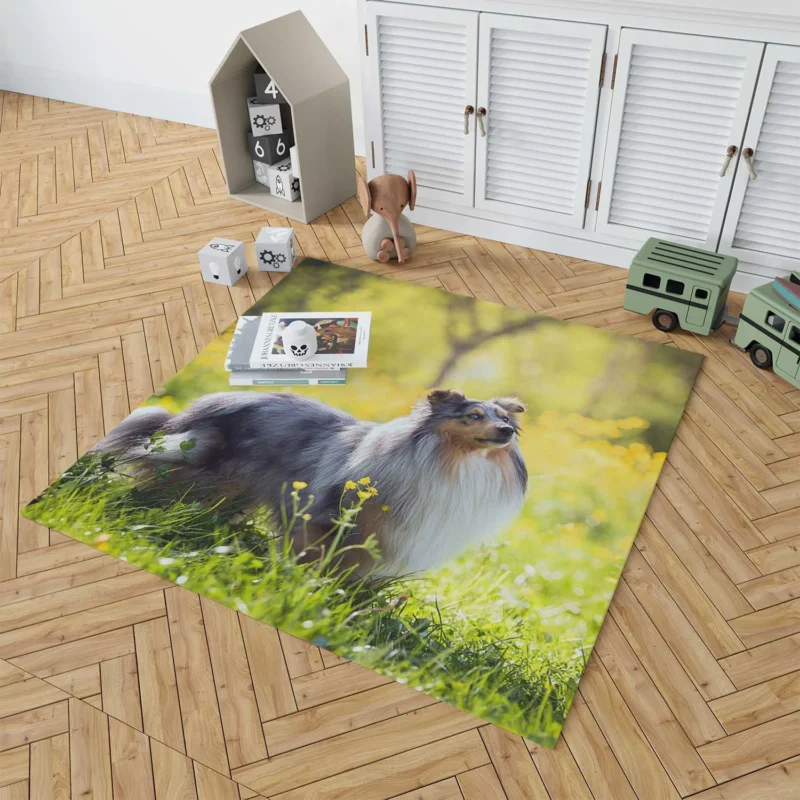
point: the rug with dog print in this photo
(456, 517)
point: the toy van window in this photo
(651, 281)
(794, 334)
(675, 287)
(774, 321)
(701, 294)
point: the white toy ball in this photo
(299, 339)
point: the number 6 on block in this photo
(270, 149)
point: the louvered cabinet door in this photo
(679, 102)
(422, 73)
(539, 84)
(762, 225)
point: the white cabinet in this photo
(679, 103)
(588, 134)
(538, 88)
(423, 77)
(528, 94)
(762, 225)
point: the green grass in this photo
(512, 672)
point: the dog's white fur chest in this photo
(448, 514)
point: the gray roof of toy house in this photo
(291, 52)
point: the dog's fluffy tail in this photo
(132, 435)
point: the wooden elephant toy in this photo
(387, 233)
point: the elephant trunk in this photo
(396, 237)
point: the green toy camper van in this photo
(769, 328)
(681, 286)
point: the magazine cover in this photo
(237, 363)
(312, 340)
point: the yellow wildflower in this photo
(384, 508)
(364, 495)
(297, 485)
(350, 485)
(307, 517)
(364, 481)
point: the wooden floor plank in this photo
(50, 768)
(90, 751)
(401, 774)
(658, 723)
(241, 723)
(640, 764)
(202, 725)
(131, 766)
(593, 755)
(32, 726)
(173, 774)
(752, 749)
(120, 689)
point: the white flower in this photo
(308, 624)
(241, 606)
(165, 562)
(223, 548)
(181, 579)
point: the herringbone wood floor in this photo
(116, 684)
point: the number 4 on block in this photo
(267, 90)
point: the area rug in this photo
(455, 517)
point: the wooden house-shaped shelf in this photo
(318, 92)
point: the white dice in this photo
(260, 171)
(222, 261)
(268, 118)
(282, 182)
(276, 249)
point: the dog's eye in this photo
(474, 416)
(505, 419)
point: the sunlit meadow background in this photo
(504, 631)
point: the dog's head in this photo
(474, 424)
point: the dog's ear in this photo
(445, 397)
(511, 404)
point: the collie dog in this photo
(450, 475)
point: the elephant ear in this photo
(363, 194)
(412, 189)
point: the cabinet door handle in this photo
(480, 115)
(468, 111)
(732, 151)
(747, 155)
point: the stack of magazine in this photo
(258, 357)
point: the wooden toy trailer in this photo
(681, 286)
(769, 329)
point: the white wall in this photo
(151, 57)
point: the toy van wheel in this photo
(665, 320)
(761, 357)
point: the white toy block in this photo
(268, 118)
(282, 183)
(260, 171)
(222, 261)
(295, 161)
(276, 249)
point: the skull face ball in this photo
(299, 340)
